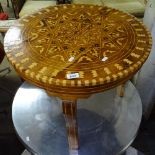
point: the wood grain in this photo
(70, 114)
(104, 46)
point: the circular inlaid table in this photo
(74, 51)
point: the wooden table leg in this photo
(121, 90)
(70, 114)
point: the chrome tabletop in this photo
(107, 124)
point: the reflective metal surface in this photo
(107, 123)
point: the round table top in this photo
(77, 50)
(107, 123)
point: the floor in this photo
(9, 83)
(9, 143)
(145, 140)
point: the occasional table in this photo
(74, 51)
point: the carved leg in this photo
(120, 90)
(70, 113)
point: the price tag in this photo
(73, 75)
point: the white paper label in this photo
(73, 76)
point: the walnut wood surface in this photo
(70, 114)
(106, 47)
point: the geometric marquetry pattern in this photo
(103, 45)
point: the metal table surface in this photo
(107, 124)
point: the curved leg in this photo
(70, 113)
(120, 90)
